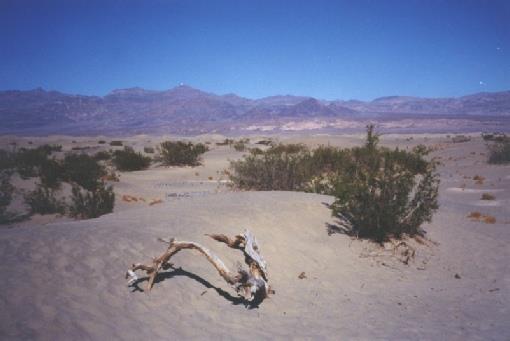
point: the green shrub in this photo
(380, 193)
(129, 160)
(51, 173)
(499, 152)
(116, 143)
(42, 200)
(226, 142)
(101, 142)
(281, 167)
(148, 150)
(385, 193)
(6, 190)
(240, 146)
(181, 153)
(102, 156)
(28, 161)
(83, 170)
(7, 160)
(91, 204)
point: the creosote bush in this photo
(43, 201)
(83, 170)
(281, 167)
(385, 193)
(179, 153)
(499, 152)
(129, 160)
(6, 190)
(380, 193)
(91, 204)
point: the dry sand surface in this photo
(64, 279)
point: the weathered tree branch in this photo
(251, 284)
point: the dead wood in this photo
(251, 284)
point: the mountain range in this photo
(187, 110)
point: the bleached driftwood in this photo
(251, 284)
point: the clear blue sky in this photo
(327, 49)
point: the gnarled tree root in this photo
(251, 284)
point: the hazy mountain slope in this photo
(183, 108)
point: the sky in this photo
(357, 49)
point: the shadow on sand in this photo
(181, 272)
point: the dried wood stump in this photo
(251, 284)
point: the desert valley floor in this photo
(64, 279)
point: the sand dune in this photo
(65, 280)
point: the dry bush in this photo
(487, 196)
(489, 219)
(116, 143)
(475, 215)
(479, 179)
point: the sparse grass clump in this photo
(129, 160)
(479, 179)
(477, 216)
(179, 153)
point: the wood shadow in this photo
(181, 272)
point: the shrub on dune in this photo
(91, 204)
(179, 153)
(129, 160)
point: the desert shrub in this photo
(385, 193)
(91, 204)
(380, 193)
(7, 160)
(487, 196)
(116, 143)
(83, 170)
(129, 160)
(281, 167)
(102, 155)
(51, 173)
(239, 146)
(6, 190)
(265, 142)
(28, 161)
(101, 142)
(42, 200)
(496, 137)
(180, 153)
(499, 152)
(148, 150)
(226, 142)
(461, 139)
